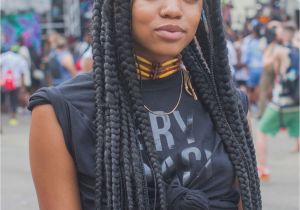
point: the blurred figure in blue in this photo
(241, 75)
(253, 48)
(61, 66)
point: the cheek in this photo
(142, 17)
(193, 19)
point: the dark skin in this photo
(52, 167)
(161, 45)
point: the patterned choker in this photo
(148, 70)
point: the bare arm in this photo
(240, 205)
(52, 167)
(272, 57)
(68, 63)
(87, 64)
(237, 183)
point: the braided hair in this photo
(122, 123)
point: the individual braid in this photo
(108, 99)
(99, 121)
(127, 157)
(112, 144)
(132, 168)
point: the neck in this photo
(156, 59)
(152, 57)
(148, 70)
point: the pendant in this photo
(188, 84)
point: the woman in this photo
(138, 132)
(61, 65)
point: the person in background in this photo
(49, 47)
(13, 70)
(83, 53)
(283, 111)
(24, 93)
(253, 59)
(268, 74)
(61, 65)
(24, 51)
(232, 56)
(241, 74)
(83, 46)
(86, 61)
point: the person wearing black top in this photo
(158, 124)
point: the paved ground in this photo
(17, 191)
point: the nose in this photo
(171, 9)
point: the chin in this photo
(168, 50)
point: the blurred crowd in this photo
(252, 53)
(264, 59)
(23, 71)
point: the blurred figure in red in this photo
(13, 68)
(86, 61)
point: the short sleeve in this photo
(53, 96)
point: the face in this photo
(163, 28)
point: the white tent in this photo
(11, 6)
(71, 13)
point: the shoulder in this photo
(77, 92)
(79, 88)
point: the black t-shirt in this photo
(194, 163)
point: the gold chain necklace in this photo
(177, 104)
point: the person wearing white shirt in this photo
(13, 68)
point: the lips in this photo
(170, 32)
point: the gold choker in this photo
(148, 70)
